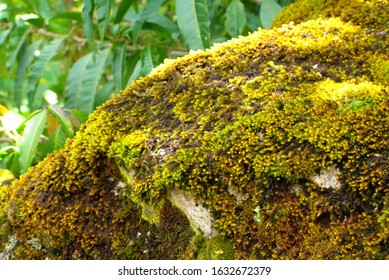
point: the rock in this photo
(328, 178)
(198, 215)
(270, 146)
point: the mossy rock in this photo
(270, 146)
(372, 14)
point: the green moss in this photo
(175, 232)
(369, 14)
(5, 226)
(217, 248)
(242, 128)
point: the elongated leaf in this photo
(284, 3)
(136, 72)
(30, 139)
(56, 141)
(103, 11)
(77, 117)
(75, 82)
(83, 81)
(194, 23)
(63, 119)
(22, 125)
(119, 58)
(3, 36)
(236, 18)
(164, 22)
(43, 9)
(87, 16)
(12, 162)
(269, 11)
(15, 43)
(38, 22)
(122, 10)
(151, 7)
(133, 71)
(150, 59)
(24, 62)
(46, 55)
(64, 22)
(253, 21)
(104, 93)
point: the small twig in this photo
(6, 140)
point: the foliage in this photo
(59, 60)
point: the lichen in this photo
(242, 130)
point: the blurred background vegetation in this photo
(60, 59)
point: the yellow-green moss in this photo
(243, 128)
(217, 248)
(366, 13)
(5, 227)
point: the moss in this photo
(175, 233)
(217, 248)
(5, 226)
(366, 13)
(243, 128)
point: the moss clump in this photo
(365, 13)
(217, 248)
(5, 226)
(243, 129)
(175, 233)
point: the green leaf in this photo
(105, 93)
(15, 43)
(253, 21)
(77, 117)
(3, 36)
(83, 81)
(151, 7)
(24, 61)
(164, 22)
(38, 22)
(103, 11)
(194, 23)
(136, 72)
(55, 142)
(119, 58)
(63, 23)
(63, 119)
(43, 9)
(235, 18)
(12, 162)
(150, 59)
(269, 11)
(284, 3)
(133, 66)
(122, 10)
(87, 16)
(30, 139)
(22, 125)
(47, 53)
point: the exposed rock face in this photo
(273, 145)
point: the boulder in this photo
(269, 146)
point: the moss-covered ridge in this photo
(371, 14)
(273, 145)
